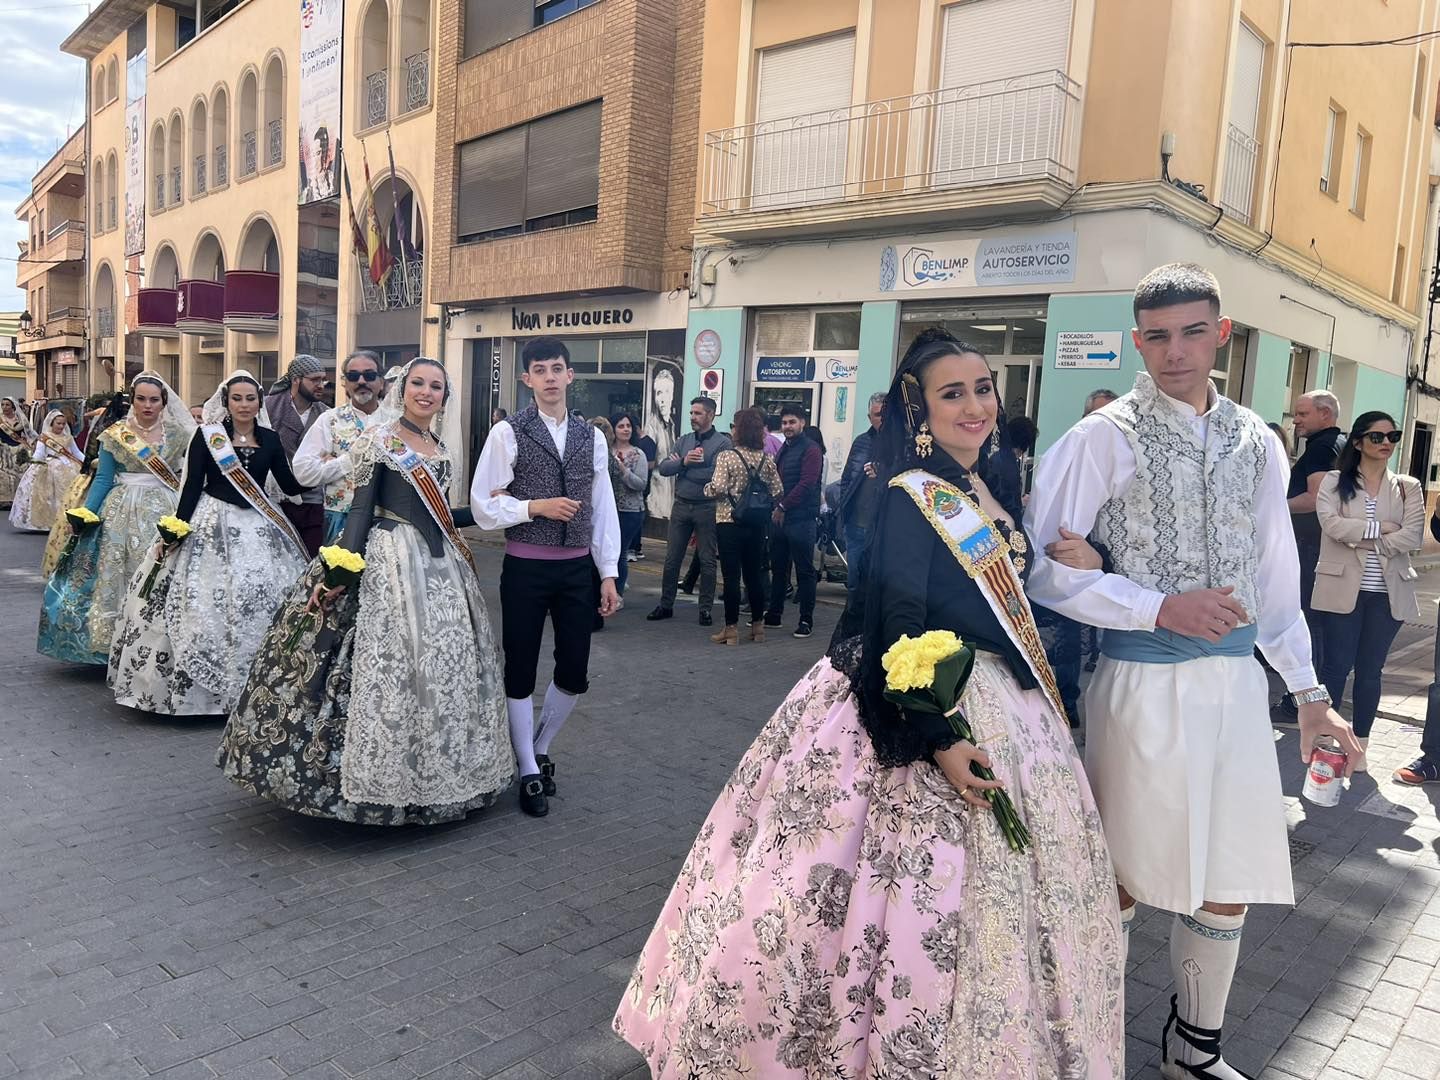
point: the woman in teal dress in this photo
(136, 484)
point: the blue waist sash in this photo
(1167, 647)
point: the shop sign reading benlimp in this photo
(978, 262)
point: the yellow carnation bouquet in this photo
(343, 568)
(172, 530)
(927, 675)
(79, 519)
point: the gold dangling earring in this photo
(924, 442)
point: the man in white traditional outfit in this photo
(324, 454)
(1186, 490)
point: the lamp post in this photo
(28, 328)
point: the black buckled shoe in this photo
(706, 619)
(1205, 1040)
(660, 612)
(532, 795)
(547, 773)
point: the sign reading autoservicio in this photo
(977, 262)
(1100, 350)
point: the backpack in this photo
(755, 504)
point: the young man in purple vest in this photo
(544, 478)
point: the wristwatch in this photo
(1315, 693)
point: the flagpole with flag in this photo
(357, 234)
(402, 245)
(379, 254)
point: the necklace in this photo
(140, 429)
(408, 426)
(244, 437)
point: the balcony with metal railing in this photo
(160, 191)
(405, 287)
(222, 166)
(200, 174)
(906, 157)
(377, 97)
(250, 160)
(105, 322)
(417, 81)
(1237, 188)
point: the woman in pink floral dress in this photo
(851, 909)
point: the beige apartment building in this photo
(51, 343)
(1010, 168)
(564, 201)
(221, 235)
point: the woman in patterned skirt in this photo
(136, 484)
(382, 702)
(16, 436)
(52, 468)
(183, 648)
(851, 908)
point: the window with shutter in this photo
(540, 175)
(802, 120)
(1000, 106)
(1242, 147)
(493, 22)
(491, 195)
(563, 169)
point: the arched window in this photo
(175, 158)
(199, 140)
(104, 333)
(112, 191)
(375, 63)
(97, 180)
(415, 53)
(100, 100)
(157, 167)
(274, 95)
(209, 261)
(259, 250)
(220, 138)
(249, 146)
(112, 79)
(165, 274)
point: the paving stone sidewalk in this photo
(157, 921)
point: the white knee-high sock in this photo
(557, 709)
(1204, 948)
(1127, 916)
(521, 712)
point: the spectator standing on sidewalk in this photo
(773, 439)
(1370, 521)
(793, 539)
(692, 463)
(1425, 769)
(1317, 421)
(745, 487)
(633, 476)
(646, 445)
(859, 501)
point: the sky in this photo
(42, 100)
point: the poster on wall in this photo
(135, 155)
(322, 24)
(664, 392)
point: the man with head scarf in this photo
(292, 411)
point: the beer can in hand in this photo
(1326, 774)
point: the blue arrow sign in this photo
(1100, 356)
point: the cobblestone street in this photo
(157, 921)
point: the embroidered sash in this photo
(984, 554)
(147, 455)
(218, 443)
(56, 446)
(411, 465)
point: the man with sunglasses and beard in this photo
(324, 455)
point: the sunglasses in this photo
(1378, 437)
(356, 376)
